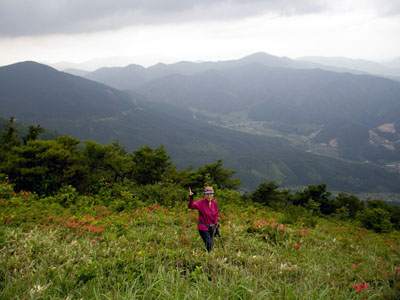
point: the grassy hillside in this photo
(92, 251)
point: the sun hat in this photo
(208, 190)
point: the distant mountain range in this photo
(187, 111)
(390, 69)
(133, 76)
(335, 111)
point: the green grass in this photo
(154, 252)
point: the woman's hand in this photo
(190, 192)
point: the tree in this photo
(104, 164)
(268, 193)
(33, 133)
(395, 216)
(376, 219)
(351, 202)
(376, 203)
(150, 165)
(215, 175)
(8, 140)
(318, 194)
(40, 166)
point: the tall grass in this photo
(51, 252)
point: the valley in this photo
(267, 118)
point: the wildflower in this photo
(302, 232)
(353, 265)
(7, 220)
(360, 287)
(360, 264)
(184, 240)
(283, 227)
(93, 228)
(298, 246)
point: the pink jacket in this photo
(207, 215)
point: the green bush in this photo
(294, 214)
(376, 219)
(164, 193)
(66, 196)
(6, 190)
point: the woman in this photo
(208, 215)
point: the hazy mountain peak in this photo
(30, 65)
(259, 55)
(134, 67)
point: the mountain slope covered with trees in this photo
(36, 94)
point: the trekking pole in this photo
(217, 233)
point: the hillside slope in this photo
(352, 110)
(35, 93)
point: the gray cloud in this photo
(389, 7)
(40, 17)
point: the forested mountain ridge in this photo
(37, 94)
(336, 113)
(33, 89)
(343, 112)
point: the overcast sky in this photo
(149, 31)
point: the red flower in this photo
(303, 232)
(184, 240)
(298, 246)
(360, 287)
(7, 220)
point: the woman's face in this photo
(209, 196)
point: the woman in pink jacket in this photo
(208, 215)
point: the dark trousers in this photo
(208, 238)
